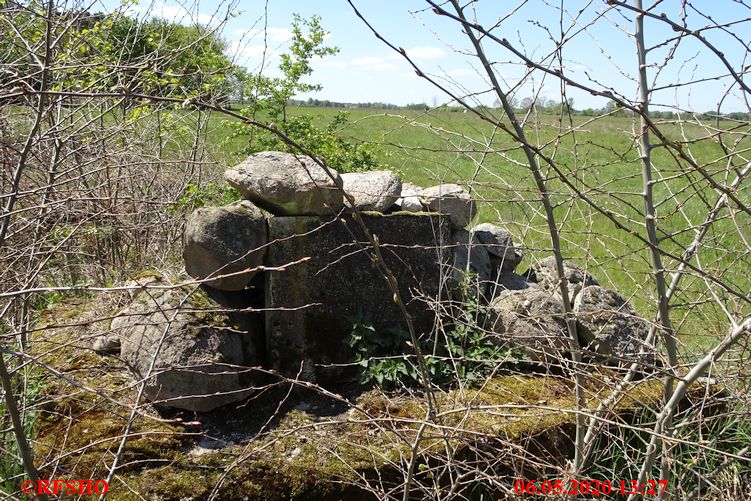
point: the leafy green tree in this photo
(269, 97)
(154, 57)
(306, 44)
(272, 94)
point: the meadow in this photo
(599, 157)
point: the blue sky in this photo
(599, 50)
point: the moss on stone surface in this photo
(309, 447)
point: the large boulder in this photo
(286, 184)
(471, 264)
(191, 353)
(504, 256)
(311, 306)
(532, 319)
(544, 273)
(507, 281)
(452, 200)
(108, 343)
(611, 325)
(409, 201)
(224, 241)
(374, 191)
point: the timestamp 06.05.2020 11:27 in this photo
(590, 487)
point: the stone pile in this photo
(293, 258)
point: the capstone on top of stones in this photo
(287, 185)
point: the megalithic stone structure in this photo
(310, 306)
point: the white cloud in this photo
(251, 51)
(426, 52)
(251, 55)
(331, 63)
(373, 63)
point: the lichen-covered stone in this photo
(504, 256)
(611, 324)
(409, 201)
(374, 190)
(452, 200)
(544, 273)
(311, 305)
(190, 352)
(471, 266)
(224, 241)
(533, 319)
(286, 184)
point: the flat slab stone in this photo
(311, 304)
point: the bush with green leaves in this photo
(339, 153)
(196, 196)
(463, 353)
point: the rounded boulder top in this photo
(286, 184)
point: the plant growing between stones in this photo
(196, 196)
(463, 354)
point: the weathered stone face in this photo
(225, 240)
(198, 363)
(286, 184)
(611, 324)
(471, 268)
(340, 281)
(532, 318)
(409, 201)
(452, 200)
(504, 255)
(374, 190)
(544, 273)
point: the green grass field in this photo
(599, 156)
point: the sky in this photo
(599, 49)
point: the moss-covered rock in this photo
(304, 444)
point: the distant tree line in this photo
(540, 105)
(326, 103)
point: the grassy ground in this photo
(599, 156)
